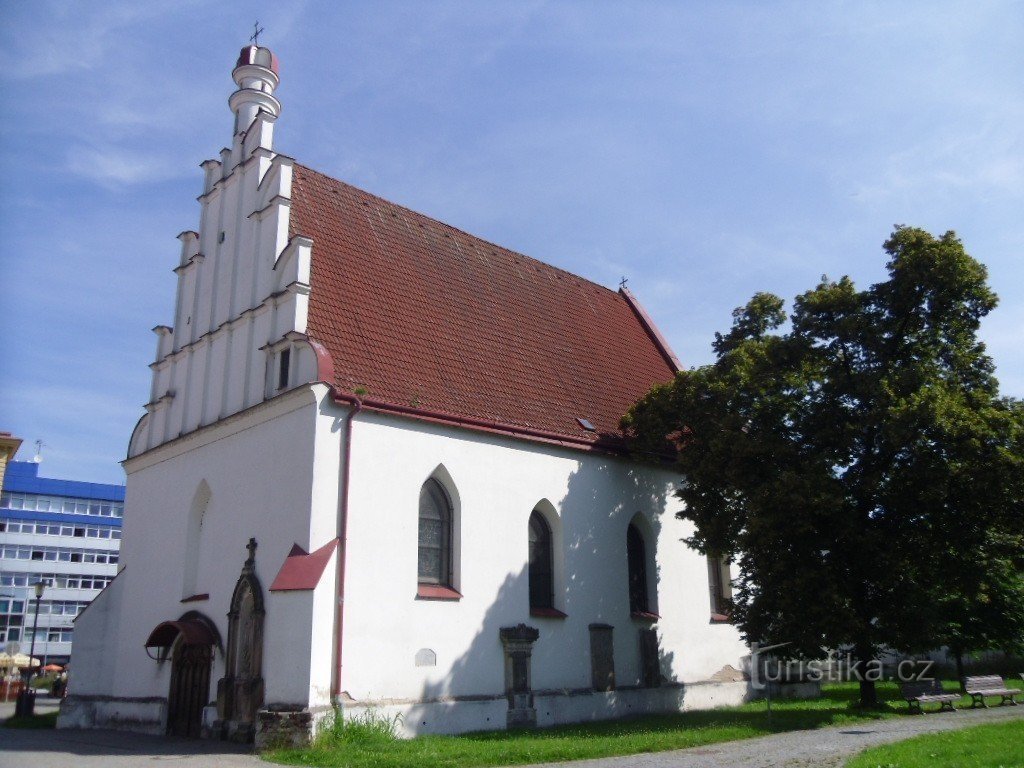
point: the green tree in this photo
(980, 605)
(859, 462)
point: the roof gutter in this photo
(605, 444)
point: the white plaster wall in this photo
(274, 472)
(259, 466)
(299, 631)
(498, 482)
(94, 666)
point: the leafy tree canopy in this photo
(860, 462)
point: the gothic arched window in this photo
(435, 535)
(541, 563)
(636, 563)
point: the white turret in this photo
(256, 77)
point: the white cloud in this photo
(62, 38)
(114, 167)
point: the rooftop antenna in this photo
(38, 458)
(257, 31)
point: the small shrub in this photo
(365, 729)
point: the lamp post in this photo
(26, 703)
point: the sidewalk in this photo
(46, 748)
(822, 748)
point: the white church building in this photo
(380, 469)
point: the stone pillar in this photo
(518, 644)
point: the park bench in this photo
(980, 686)
(918, 692)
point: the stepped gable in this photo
(420, 315)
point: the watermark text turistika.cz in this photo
(766, 670)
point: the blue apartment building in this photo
(64, 533)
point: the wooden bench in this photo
(918, 692)
(980, 686)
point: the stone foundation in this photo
(140, 714)
(552, 707)
(281, 726)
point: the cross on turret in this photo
(257, 31)
(251, 546)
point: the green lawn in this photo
(998, 745)
(360, 746)
(48, 720)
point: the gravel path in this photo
(820, 748)
(824, 747)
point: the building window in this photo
(719, 587)
(283, 369)
(636, 561)
(435, 535)
(542, 593)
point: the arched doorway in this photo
(190, 688)
(189, 642)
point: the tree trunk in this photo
(958, 654)
(868, 693)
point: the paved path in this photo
(23, 748)
(822, 748)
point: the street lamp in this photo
(26, 703)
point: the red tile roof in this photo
(302, 569)
(424, 317)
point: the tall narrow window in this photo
(636, 560)
(283, 370)
(435, 537)
(193, 539)
(719, 586)
(541, 565)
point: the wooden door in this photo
(190, 689)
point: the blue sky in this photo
(706, 150)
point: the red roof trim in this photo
(324, 362)
(436, 592)
(548, 613)
(651, 328)
(302, 571)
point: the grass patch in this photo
(372, 742)
(997, 745)
(47, 720)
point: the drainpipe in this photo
(356, 405)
